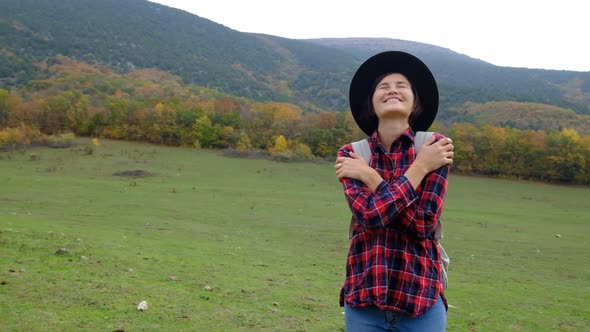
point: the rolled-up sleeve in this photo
(422, 217)
(397, 204)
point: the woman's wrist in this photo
(415, 174)
(419, 168)
(371, 179)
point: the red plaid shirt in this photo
(393, 261)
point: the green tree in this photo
(117, 110)
(206, 134)
(79, 116)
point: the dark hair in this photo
(369, 113)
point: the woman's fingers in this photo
(445, 142)
(450, 156)
(352, 158)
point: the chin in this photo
(396, 112)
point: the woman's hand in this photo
(434, 155)
(355, 167)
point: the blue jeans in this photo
(371, 319)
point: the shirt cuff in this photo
(401, 189)
(405, 187)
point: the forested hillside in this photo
(132, 34)
(523, 116)
(462, 78)
(314, 74)
(155, 106)
(135, 70)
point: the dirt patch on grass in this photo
(135, 173)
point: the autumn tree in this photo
(280, 144)
(228, 137)
(286, 120)
(161, 125)
(60, 113)
(584, 148)
(243, 143)
(4, 110)
(257, 123)
(565, 161)
(464, 137)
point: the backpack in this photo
(362, 149)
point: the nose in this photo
(392, 90)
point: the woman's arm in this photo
(374, 202)
(368, 201)
(422, 216)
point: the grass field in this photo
(223, 244)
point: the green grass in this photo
(520, 257)
(224, 244)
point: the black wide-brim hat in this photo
(403, 63)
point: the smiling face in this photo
(393, 97)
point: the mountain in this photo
(132, 34)
(461, 77)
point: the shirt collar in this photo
(406, 136)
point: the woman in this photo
(393, 271)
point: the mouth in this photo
(392, 100)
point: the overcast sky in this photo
(516, 33)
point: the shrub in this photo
(61, 141)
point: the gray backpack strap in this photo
(362, 149)
(419, 140)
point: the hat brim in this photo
(403, 63)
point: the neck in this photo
(390, 130)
